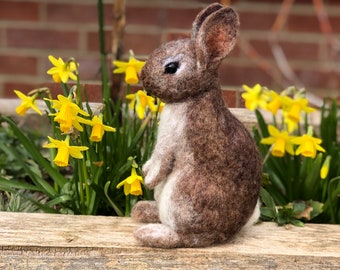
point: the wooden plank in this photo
(247, 117)
(44, 241)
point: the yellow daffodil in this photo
(27, 102)
(65, 150)
(255, 97)
(325, 167)
(280, 141)
(308, 145)
(274, 104)
(140, 101)
(290, 124)
(160, 106)
(62, 72)
(292, 109)
(132, 184)
(130, 68)
(67, 115)
(98, 128)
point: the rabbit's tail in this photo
(161, 236)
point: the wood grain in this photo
(44, 241)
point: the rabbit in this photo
(205, 168)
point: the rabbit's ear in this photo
(216, 37)
(202, 16)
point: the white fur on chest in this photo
(171, 136)
(170, 132)
(172, 123)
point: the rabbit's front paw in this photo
(152, 169)
(147, 166)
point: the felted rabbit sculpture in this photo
(205, 168)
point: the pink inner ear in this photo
(217, 44)
(216, 37)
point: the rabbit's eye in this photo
(171, 68)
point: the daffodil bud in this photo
(325, 167)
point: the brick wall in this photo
(30, 30)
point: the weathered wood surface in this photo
(43, 241)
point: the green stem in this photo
(65, 89)
(114, 206)
(331, 206)
(91, 193)
(105, 86)
(127, 205)
(81, 184)
(87, 187)
(267, 155)
(289, 177)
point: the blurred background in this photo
(281, 43)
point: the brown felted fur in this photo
(205, 168)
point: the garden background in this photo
(32, 29)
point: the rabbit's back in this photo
(220, 170)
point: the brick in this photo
(180, 17)
(176, 35)
(93, 91)
(75, 13)
(12, 64)
(144, 16)
(19, 11)
(231, 74)
(141, 43)
(89, 67)
(108, 13)
(262, 47)
(310, 23)
(148, 25)
(335, 23)
(229, 97)
(92, 41)
(256, 21)
(42, 38)
(313, 78)
(24, 87)
(236, 51)
(292, 50)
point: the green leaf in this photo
(268, 214)
(312, 181)
(296, 222)
(266, 198)
(329, 123)
(38, 181)
(9, 185)
(262, 124)
(298, 207)
(269, 210)
(317, 208)
(35, 153)
(114, 206)
(59, 200)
